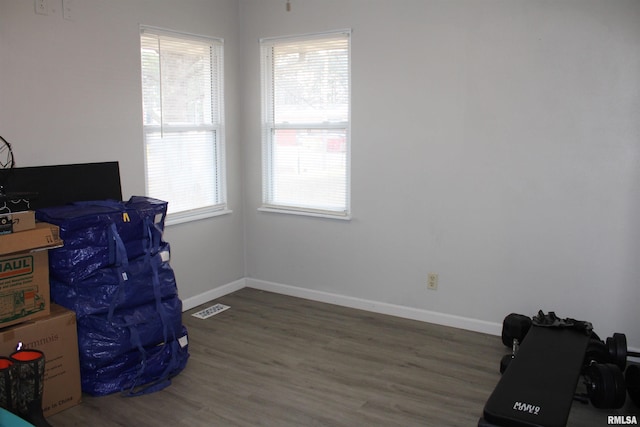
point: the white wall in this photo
(70, 92)
(496, 143)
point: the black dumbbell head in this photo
(632, 378)
(605, 385)
(515, 326)
(617, 347)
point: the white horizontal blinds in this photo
(307, 123)
(311, 81)
(181, 80)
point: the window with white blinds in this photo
(182, 83)
(306, 124)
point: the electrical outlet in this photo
(42, 8)
(432, 281)
(68, 9)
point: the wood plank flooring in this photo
(274, 360)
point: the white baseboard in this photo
(358, 303)
(379, 307)
(205, 297)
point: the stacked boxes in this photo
(24, 273)
(55, 335)
(28, 318)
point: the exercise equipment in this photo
(540, 376)
(507, 358)
(613, 350)
(632, 378)
(605, 385)
(537, 388)
(515, 327)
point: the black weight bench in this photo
(537, 389)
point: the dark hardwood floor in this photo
(274, 360)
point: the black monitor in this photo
(57, 185)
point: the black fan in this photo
(7, 163)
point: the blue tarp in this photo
(114, 272)
(103, 234)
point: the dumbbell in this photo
(613, 350)
(618, 352)
(632, 378)
(515, 326)
(514, 329)
(617, 347)
(605, 385)
(507, 358)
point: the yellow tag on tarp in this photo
(125, 217)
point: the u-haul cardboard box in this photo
(24, 273)
(57, 337)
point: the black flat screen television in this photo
(62, 184)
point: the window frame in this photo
(217, 127)
(269, 127)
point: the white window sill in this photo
(317, 214)
(181, 218)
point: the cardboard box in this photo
(57, 337)
(24, 287)
(17, 221)
(24, 273)
(43, 236)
